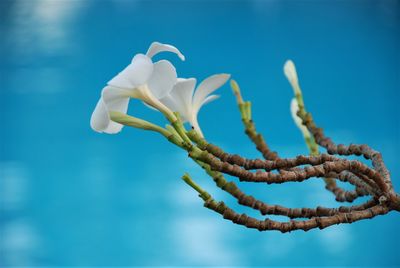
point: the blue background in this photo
(70, 196)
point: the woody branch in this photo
(375, 182)
(156, 84)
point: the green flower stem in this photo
(131, 121)
(176, 122)
(180, 138)
(175, 138)
(196, 153)
(173, 131)
(311, 145)
(202, 193)
(248, 110)
(135, 122)
(250, 129)
(243, 106)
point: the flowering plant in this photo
(157, 86)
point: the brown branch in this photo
(297, 175)
(258, 140)
(353, 149)
(305, 225)
(266, 209)
(366, 211)
(367, 181)
(282, 165)
(316, 161)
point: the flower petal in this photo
(101, 122)
(112, 99)
(113, 128)
(162, 79)
(157, 47)
(205, 101)
(173, 105)
(206, 87)
(116, 99)
(210, 99)
(100, 118)
(135, 74)
(181, 96)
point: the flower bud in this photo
(294, 108)
(290, 72)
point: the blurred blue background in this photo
(70, 196)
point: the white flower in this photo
(141, 79)
(290, 72)
(188, 102)
(294, 108)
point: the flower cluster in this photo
(157, 85)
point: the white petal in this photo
(290, 72)
(162, 79)
(135, 74)
(174, 106)
(208, 86)
(100, 118)
(113, 128)
(157, 47)
(210, 99)
(113, 99)
(205, 101)
(182, 95)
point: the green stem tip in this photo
(202, 193)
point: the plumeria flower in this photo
(184, 99)
(141, 79)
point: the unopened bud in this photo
(290, 72)
(236, 91)
(294, 108)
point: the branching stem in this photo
(373, 181)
